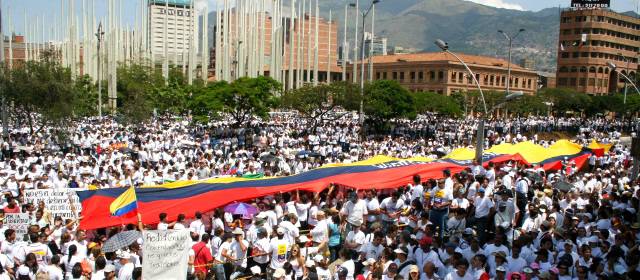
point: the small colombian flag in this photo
(124, 204)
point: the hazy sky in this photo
(49, 10)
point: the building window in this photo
(440, 76)
(529, 83)
(395, 75)
(432, 75)
(491, 79)
(562, 81)
(516, 83)
(384, 75)
(413, 76)
(377, 75)
(583, 82)
(402, 76)
(565, 55)
(592, 82)
(420, 75)
(454, 77)
(503, 79)
(583, 69)
(575, 54)
(172, 12)
(572, 82)
(564, 69)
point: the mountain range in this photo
(468, 27)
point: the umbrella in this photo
(268, 158)
(302, 154)
(534, 176)
(563, 186)
(240, 208)
(121, 240)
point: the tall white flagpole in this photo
(205, 43)
(329, 64)
(309, 46)
(291, 45)
(304, 68)
(373, 19)
(355, 45)
(316, 47)
(344, 46)
(165, 42)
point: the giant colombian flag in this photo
(379, 172)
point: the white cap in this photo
(123, 255)
(279, 273)
(255, 270)
(110, 268)
(309, 263)
(280, 230)
(369, 261)
(303, 239)
(318, 258)
(238, 231)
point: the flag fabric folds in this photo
(379, 172)
(125, 204)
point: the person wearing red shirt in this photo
(202, 255)
(12, 207)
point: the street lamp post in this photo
(100, 36)
(625, 81)
(510, 39)
(615, 68)
(480, 134)
(364, 18)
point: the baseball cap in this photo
(303, 239)
(401, 250)
(342, 272)
(110, 268)
(255, 270)
(309, 263)
(414, 268)
(426, 240)
(369, 261)
(318, 258)
(280, 230)
(501, 268)
(279, 273)
(238, 231)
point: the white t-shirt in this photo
(126, 272)
(356, 237)
(355, 211)
(279, 249)
(371, 251)
(454, 276)
(483, 206)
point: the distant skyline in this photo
(49, 10)
(536, 5)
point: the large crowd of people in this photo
(500, 221)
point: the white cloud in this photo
(499, 4)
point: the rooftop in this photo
(442, 57)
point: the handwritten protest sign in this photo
(58, 201)
(165, 254)
(18, 222)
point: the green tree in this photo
(438, 103)
(137, 89)
(205, 103)
(566, 100)
(385, 100)
(245, 98)
(316, 104)
(41, 93)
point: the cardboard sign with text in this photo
(165, 254)
(58, 201)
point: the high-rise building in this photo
(588, 40)
(174, 17)
(303, 48)
(379, 45)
